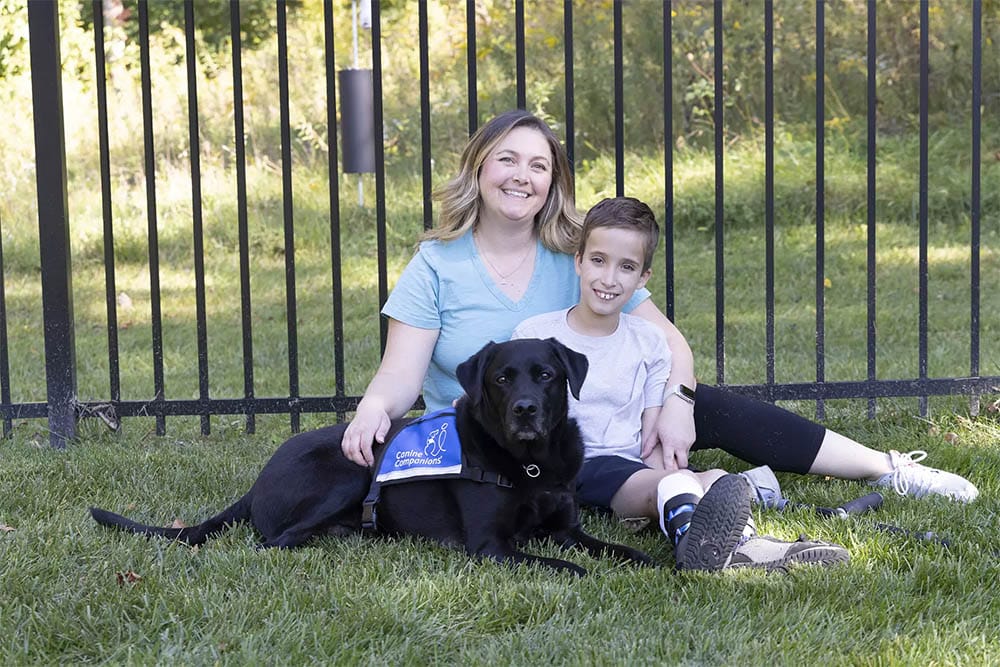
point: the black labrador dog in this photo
(512, 423)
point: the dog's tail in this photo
(236, 513)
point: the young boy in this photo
(705, 514)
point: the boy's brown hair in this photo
(623, 212)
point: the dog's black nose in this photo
(525, 407)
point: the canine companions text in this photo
(512, 423)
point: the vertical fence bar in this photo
(239, 135)
(425, 114)
(291, 306)
(924, 106)
(820, 205)
(769, 194)
(383, 279)
(149, 151)
(197, 222)
(53, 220)
(720, 199)
(872, 257)
(5, 403)
(521, 76)
(568, 83)
(619, 69)
(470, 59)
(334, 181)
(668, 156)
(104, 149)
(975, 195)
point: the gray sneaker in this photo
(770, 553)
(716, 526)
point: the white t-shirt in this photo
(628, 373)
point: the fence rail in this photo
(62, 409)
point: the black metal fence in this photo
(62, 407)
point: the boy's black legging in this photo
(755, 431)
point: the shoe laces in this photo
(905, 463)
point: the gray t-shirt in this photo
(628, 373)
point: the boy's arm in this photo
(655, 457)
(675, 430)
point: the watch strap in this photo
(683, 391)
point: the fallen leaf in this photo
(951, 437)
(634, 524)
(933, 430)
(177, 523)
(127, 577)
(4, 528)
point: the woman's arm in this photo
(392, 391)
(674, 430)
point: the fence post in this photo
(53, 220)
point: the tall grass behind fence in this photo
(759, 348)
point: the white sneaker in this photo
(910, 478)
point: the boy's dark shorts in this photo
(601, 477)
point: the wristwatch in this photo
(686, 393)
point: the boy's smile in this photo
(610, 270)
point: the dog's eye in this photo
(501, 379)
(545, 376)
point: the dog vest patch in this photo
(423, 448)
(426, 448)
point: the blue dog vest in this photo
(426, 448)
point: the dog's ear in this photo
(471, 371)
(575, 364)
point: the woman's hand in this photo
(675, 429)
(673, 436)
(370, 424)
(392, 391)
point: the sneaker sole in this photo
(716, 526)
(825, 555)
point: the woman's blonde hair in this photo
(558, 223)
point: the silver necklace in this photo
(503, 276)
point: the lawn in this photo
(74, 593)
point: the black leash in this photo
(860, 506)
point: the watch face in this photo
(686, 391)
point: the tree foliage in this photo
(692, 60)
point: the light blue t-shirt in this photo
(447, 286)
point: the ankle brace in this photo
(675, 516)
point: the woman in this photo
(501, 252)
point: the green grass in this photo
(899, 601)
(362, 600)
(845, 245)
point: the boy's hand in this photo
(674, 432)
